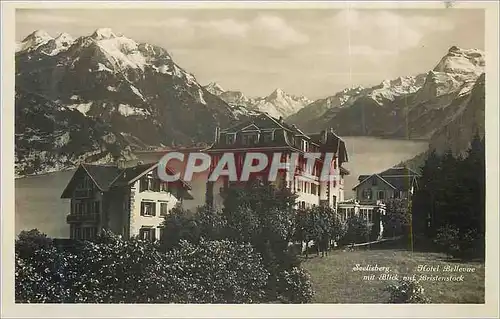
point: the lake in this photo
(38, 203)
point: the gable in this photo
(261, 122)
(369, 180)
(75, 180)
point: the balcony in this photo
(83, 193)
(89, 218)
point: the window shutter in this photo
(142, 208)
(154, 209)
(153, 234)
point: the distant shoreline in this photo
(50, 171)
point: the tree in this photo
(179, 224)
(357, 230)
(449, 207)
(396, 220)
(264, 216)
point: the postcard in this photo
(249, 159)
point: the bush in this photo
(357, 231)
(215, 272)
(112, 270)
(447, 240)
(297, 287)
(179, 224)
(406, 291)
(31, 241)
(460, 244)
(397, 218)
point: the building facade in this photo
(132, 201)
(129, 201)
(268, 135)
(373, 191)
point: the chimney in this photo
(281, 120)
(331, 130)
(217, 134)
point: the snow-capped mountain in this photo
(215, 88)
(411, 107)
(277, 104)
(91, 97)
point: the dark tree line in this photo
(448, 209)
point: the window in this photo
(83, 233)
(87, 233)
(147, 233)
(163, 208)
(380, 195)
(160, 232)
(374, 181)
(367, 193)
(314, 189)
(250, 139)
(78, 232)
(396, 194)
(81, 208)
(370, 216)
(229, 138)
(148, 209)
(267, 137)
(304, 145)
(149, 183)
(164, 187)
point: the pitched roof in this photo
(107, 176)
(398, 171)
(400, 177)
(401, 182)
(376, 176)
(130, 173)
(102, 175)
(263, 121)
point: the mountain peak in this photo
(64, 37)
(103, 33)
(38, 35)
(33, 41)
(278, 93)
(214, 88)
(462, 61)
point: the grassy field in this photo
(334, 280)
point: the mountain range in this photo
(95, 97)
(277, 104)
(444, 105)
(99, 98)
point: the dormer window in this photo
(304, 145)
(367, 193)
(230, 138)
(250, 138)
(267, 137)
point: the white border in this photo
(11, 310)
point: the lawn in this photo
(334, 280)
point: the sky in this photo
(310, 52)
